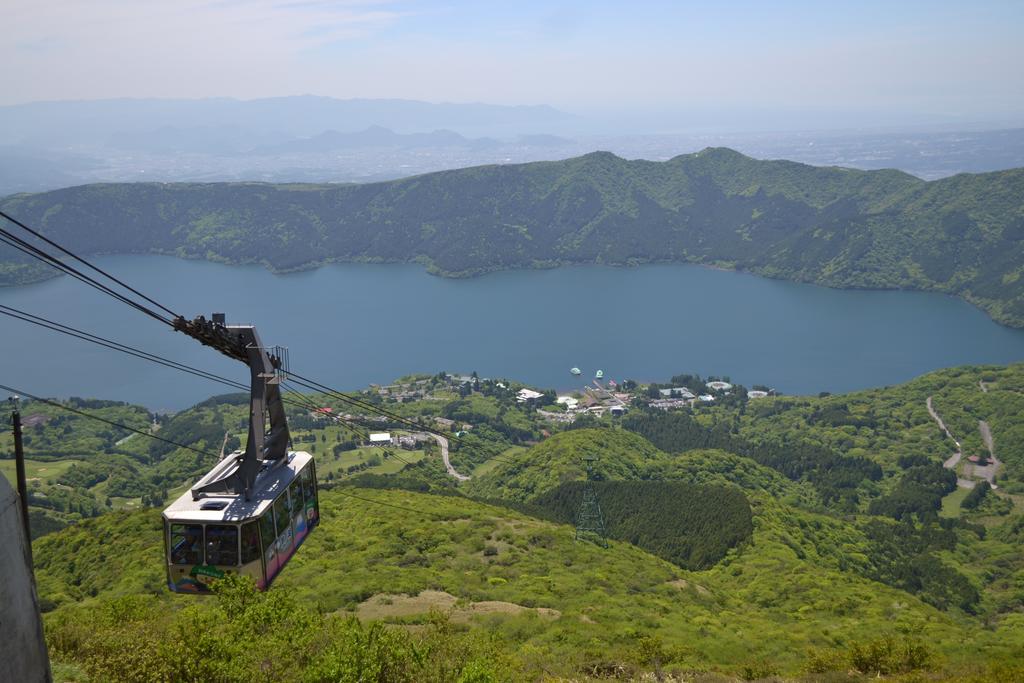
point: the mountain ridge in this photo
(832, 226)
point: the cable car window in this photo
(281, 513)
(186, 544)
(267, 530)
(222, 544)
(295, 493)
(307, 483)
(250, 542)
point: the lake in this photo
(355, 324)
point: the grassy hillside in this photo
(891, 423)
(838, 227)
(550, 606)
(557, 460)
(911, 562)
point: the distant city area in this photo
(329, 142)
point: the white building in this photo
(569, 402)
(380, 439)
(680, 392)
(719, 386)
(756, 393)
(707, 398)
(525, 395)
(669, 403)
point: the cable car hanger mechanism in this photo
(267, 371)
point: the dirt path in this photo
(443, 443)
(953, 460)
(987, 472)
(986, 437)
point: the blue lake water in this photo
(351, 325)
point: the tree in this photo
(977, 496)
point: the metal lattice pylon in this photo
(589, 520)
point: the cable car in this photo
(254, 508)
(208, 538)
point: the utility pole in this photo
(589, 520)
(19, 459)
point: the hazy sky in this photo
(924, 61)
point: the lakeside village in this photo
(596, 400)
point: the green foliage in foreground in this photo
(765, 603)
(245, 635)
(834, 226)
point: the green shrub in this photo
(879, 657)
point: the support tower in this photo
(589, 520)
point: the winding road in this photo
(443, 443)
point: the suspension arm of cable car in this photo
(254, 508)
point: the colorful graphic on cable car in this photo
(199, 579)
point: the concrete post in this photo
(19, 464)
(22, 647)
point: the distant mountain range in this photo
(230, 140)
(49, 145)
(380, 137)
(838, 227)
(92, 122)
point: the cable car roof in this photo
(270, 483)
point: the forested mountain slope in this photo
(833, 226)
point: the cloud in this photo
(288, 24)
(104, 48)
